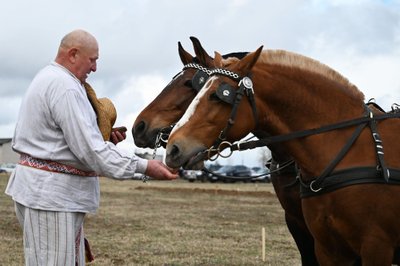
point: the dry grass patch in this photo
(174, 223)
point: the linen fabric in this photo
(57, 123)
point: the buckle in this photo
(376, 137)
(248, 84)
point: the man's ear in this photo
(72, 53)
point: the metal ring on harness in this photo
(313, 189)
(210, 158)
(164, 137)
(221, 148)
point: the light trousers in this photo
(51, 238)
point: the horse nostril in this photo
(139, 129)
(174, 151)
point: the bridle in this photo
(226, 94)
(196, 83)
(229, 95)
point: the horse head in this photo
(211, 111)
(171, 103)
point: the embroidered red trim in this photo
(52, 166)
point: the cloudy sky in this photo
(138, 43)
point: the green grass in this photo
(174, 223)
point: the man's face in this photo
(86, 62)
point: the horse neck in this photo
(295, 100)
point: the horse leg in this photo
(303, 239)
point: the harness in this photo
(329, 179)
(196, 83)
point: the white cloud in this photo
(135, 95)
(137, 92)
(376, 75)
(138, 42)
(9, 112)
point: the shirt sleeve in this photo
(77, 120)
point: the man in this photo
(62, 154)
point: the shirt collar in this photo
(54, 63)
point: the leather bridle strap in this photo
(231, 120)
(308, 132)
(245, 86)
(250, 97)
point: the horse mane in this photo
(293, 60)
(290, 59)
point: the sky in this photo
(138, 42)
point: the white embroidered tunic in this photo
(57, 122)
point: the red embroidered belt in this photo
(52, 166)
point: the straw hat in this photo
(105, 111)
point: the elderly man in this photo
(62, 154)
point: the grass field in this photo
(174, 223)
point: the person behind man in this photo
(62, 154)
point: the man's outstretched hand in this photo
(160, 171)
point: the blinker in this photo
(199, 79)
(226, 93)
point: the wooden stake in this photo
(263, 243)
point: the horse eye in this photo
(213, 97)
(188, 83)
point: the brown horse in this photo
(169, 106)
(351, 202)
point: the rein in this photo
(308, 132)
(252, 144)
(221, 142)
(276, 170)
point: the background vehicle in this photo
(191, 175)
(260, 174)
(207, 175)
(232, 173)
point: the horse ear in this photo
(246, 64)
(217, 59)
(201, 54)
(186, 58)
